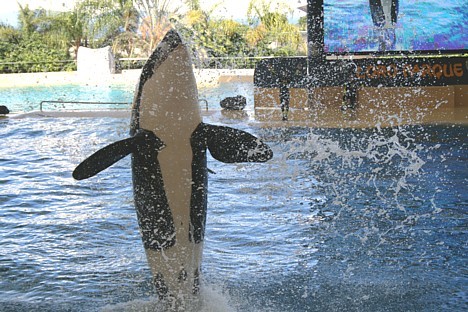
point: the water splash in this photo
(211, 299)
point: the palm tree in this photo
(272, 27)
(94, 23)
(56, 30)
(128, 15)
(127, 40)
(193, 5)
(111, 22)
(27, 20)
(66, 29)
(156, 18)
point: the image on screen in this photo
(395, 25)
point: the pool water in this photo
(26, 99)
(338, 220)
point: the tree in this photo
(211, 37)
(30, 54)
(156, 19)
(134, 28)
(128, 15)
(27, 19)
(271, 28)
(193, 5)
(94, 23)
(303, 23)
(8, 34)
(105, 19)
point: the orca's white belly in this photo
(169, 108)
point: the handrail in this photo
(228, 62)
(38, 62)
(82, 102)
(98, 103)
(211, 62)
(205, 101)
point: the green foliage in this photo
(103, 20)
(33, 47)
(271, 31)
(27, 19)
(46, 41)
(8, 34)
(32, 55)
(303, 23)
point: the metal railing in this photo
(36, 66)
(41, 104)
(228, 62)
(204, 101)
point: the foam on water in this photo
(210, 299)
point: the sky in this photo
(235, 9)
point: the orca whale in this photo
(168, 147)
(384, 15)
(384, 12)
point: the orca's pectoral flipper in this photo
(231, 145)
(103, 158)
(114, 152)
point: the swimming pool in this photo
(338, 220)
(26, 99)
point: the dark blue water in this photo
(339, 220)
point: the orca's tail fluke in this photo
(112, 153)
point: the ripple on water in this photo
(331, 222)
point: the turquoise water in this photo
(26, 99)
(338, 220)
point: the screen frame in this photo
(402, 53)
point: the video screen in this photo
(395, 25)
